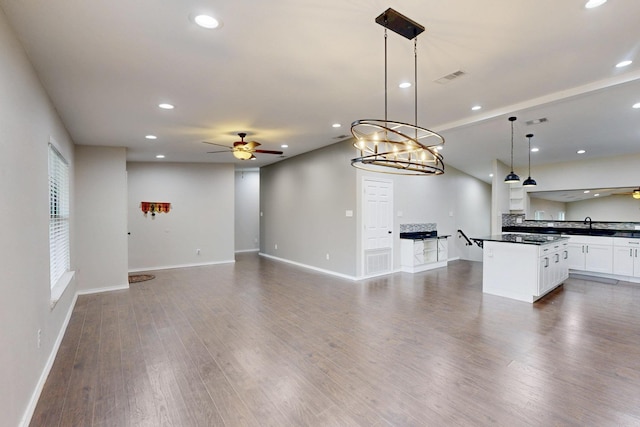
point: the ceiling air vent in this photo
(342, 137)
(537, 121)
(449, 77)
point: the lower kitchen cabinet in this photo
(626, 260)
(422, 254)
(591, 254)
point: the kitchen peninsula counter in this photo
(524, 267)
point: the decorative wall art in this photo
(154, 207)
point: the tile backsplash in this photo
(518, 220)
(412, 228)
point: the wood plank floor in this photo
(264, 343)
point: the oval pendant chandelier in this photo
(396, 147)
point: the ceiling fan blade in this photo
(220, 151)
(251, 145)
(219, 145)
(267, 151)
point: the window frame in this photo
(60, 273)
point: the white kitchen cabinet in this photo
(591, 254)
(522, 271)
(626, 260)
(552, 266)
(443, 249)
(420, 255)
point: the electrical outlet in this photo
(276, 246)
(327, 256)
(39, 337)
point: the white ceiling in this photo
(285, 70)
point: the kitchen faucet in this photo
(588, 220)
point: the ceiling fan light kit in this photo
(242, 150)
(636, 193)
(387, 146)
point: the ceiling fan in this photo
(242, 150)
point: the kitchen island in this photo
(523, 267)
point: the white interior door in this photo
(378, 226)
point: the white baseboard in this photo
(310, 267)
(248, 250)
(169, 267)
(100, 290)
(31, 407)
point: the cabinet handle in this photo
(582, 248)
(557, 258)
(587, 249)
(546, 262)
(636, 253)
(566, 254)
(631, 252)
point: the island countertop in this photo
(527, 239)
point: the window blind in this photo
(58, 215)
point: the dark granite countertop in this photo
(527, 239)
(574, 231)
(423, 235)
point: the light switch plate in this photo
(348, 213)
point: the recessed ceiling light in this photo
(594, 3)
(581, 151)
(636, 105)
(476, 108)
(336, 125)
(623, 63)
(596, 195)
(254, 158)
(587, 191)
(160, 156)
(404, 85)
(284, 146)
(490, 175)
(206, 21)
(151, 137)
(439, 148)
(166, 106)
(535, 149)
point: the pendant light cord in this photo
(512, 145)
(385, 71)
(529, 156)
(415, 83)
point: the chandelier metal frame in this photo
(387, 146)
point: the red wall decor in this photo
(154, 207)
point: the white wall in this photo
(499, 195)
(247, 210)
(303, 200)
(611, 208)
(612, 172)
(27, 122)
(201, 217)
(550, 208)
(453, 201)
(101, 206)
